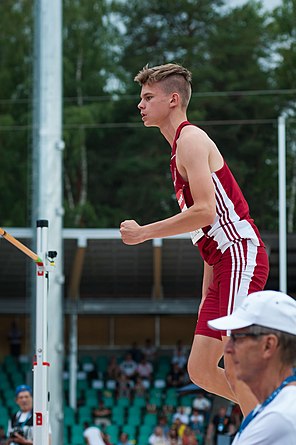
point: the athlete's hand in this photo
(131, 233)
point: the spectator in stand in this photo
(113, 369)
(106, 438)
(180, 355)
(189, 437)
(123, 386)
(180, 427)
(180, 359)
(220, 425)
(2, 436)
(151, 408)
(236, 416)
(182, 415)
(175, 378)
(20, 425)
(174, 438)
(101, 415)
(135, 352)
(158, 437)
(180, 348)
(139, 389)
(123, 439)
(149, 350)
(145, 369)
(197, 421)
(201, 402)
(92, 435)
(163, 423)
(128, 366)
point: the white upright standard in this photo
(43, 260)
(41, 364)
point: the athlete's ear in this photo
(175, 99)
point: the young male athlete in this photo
(214, 210)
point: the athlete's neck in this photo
(169, 128)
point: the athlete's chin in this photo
(149, 124)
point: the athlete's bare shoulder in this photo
(194, 140)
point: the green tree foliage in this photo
(89, 61)
(237, 49)
(283, 35)
(15, 109)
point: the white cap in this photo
(270, 309)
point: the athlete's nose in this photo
(140, 104)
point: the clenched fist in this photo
(131, 232)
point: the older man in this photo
(20, 427)
(262, 345)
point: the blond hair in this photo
(173, 78)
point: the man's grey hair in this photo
(287, 342)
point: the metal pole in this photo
(282, 204)
(47, 181)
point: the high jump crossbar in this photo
(43, 258)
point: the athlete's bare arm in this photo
(193, 160)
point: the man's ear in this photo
(271, 344)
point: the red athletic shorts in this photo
(242, 269)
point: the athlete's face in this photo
(155, 105)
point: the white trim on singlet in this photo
(228, 227)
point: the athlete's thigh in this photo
(206, 351)
(231, 278)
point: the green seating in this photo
(139, 401)
(108, 402)
(123, 401)
(91, 393)
(150, 419)
(171, 401)
(5, 384)
(86, 359)
(113, 432)
(134, 411)
(143, 440)
(84, 414)
(118, 415)
(69, 416)
(134, 419)
(77, 435)
(155, 401)
(11, 404)
(130, 430)
(82, 384)
(145, 430)
(156, 392)
(91, 402)
(186, 401)
(171, 392)
(102, 363)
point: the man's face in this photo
(246, 353)
(155, 105)
(24, 401)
